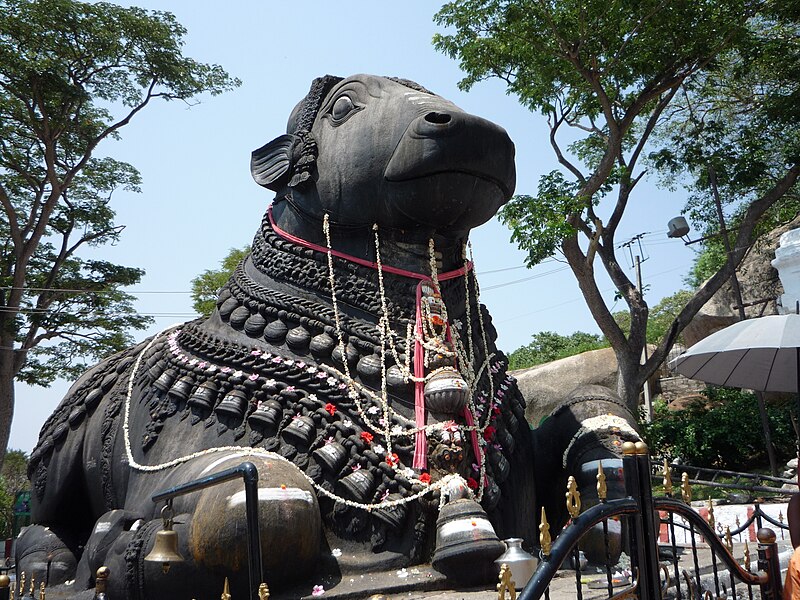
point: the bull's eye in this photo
(342, 108)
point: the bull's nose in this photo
(436, 123)
(438, 118)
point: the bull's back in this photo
(73, 464)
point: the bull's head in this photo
(370, 149)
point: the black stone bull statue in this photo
(348, 358)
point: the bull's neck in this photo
(280, 264)
(403, 249)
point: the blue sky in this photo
(198, 199)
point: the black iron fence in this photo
(669, 549)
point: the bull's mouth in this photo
(504, 188)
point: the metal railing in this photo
(702, 567)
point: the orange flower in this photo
(366, 436)
(330, 408)
(425, 478)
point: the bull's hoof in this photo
(289, 520)
(42, 554)
(212, 532)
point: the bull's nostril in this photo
(437, 118)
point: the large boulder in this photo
(544, 387)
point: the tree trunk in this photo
(762, 411)
(629, 380)
(7, 372)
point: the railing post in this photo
(769, 562)
(644, 532)
(636, 486)
(651, 526)
(5, 587)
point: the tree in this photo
(206, 286)
(15, 471)
(548, 346)
(73, 75)
(13, 479)
(618, 75)
(660, 318)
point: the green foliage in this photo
(538, 224)
(206, 286)
(548, 346)
(703, 94)
(723, 432)
(534, 45)
(13, 479)
(661, 316)
(72, 75)
(735, 129)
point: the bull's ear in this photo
(271, 164)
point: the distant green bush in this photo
(548, 346)
(723, 432)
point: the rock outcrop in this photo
(760, 287)
(544, 387)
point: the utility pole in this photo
(648, 401)
(637, 263)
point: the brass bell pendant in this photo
(446, 392)
(165, 548)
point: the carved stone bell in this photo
(466, 543)
(233, 404)
(331, 456)
(204, 396)
(300, 431)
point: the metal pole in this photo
(638, 540)
(648, 401)
(249, 473)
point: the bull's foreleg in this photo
(212, 530)
(589, 428)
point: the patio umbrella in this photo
(760, 354)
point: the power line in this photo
(87, 291)
(536, 276)
(34, 311)
(546, 308)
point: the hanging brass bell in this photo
(165, 548)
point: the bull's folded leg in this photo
(588, 428)
(47, 554)
(111, 526)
